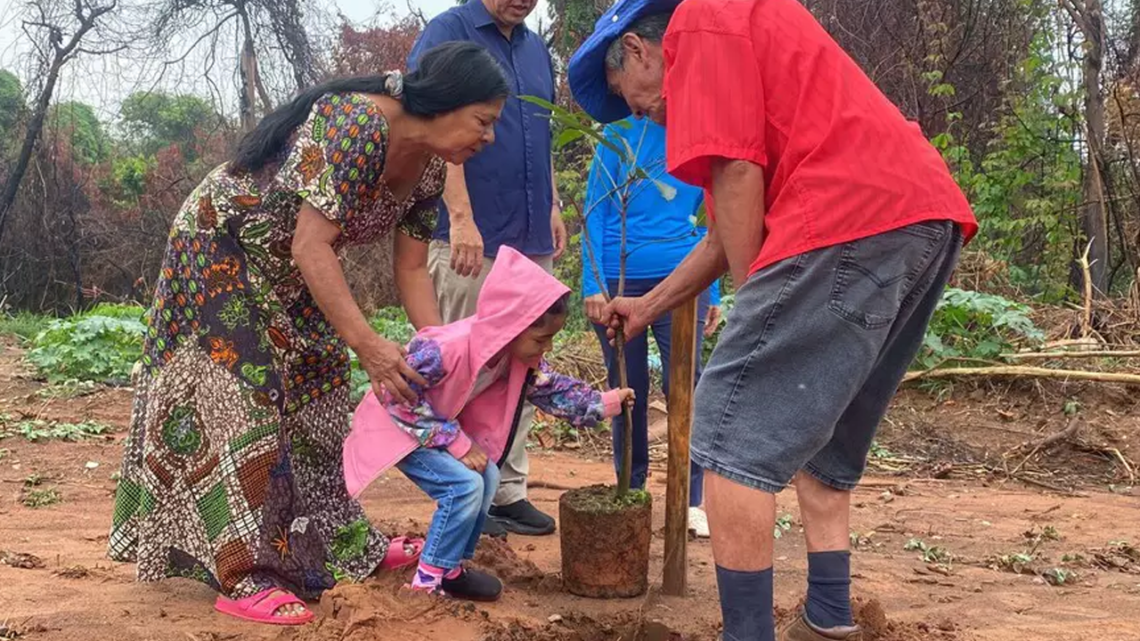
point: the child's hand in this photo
(627, 396)
(475, 459)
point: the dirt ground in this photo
(947, 472)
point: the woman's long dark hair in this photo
(449, 76)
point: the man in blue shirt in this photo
(505, 195)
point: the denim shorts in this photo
(812, 354)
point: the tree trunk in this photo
(251, 87)
(31, 135)
(286, 18)
(1094, 217)
(61, 54)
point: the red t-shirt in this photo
(760, 80)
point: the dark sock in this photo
(829, 589)
(746, 604)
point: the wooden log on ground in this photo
(682, 369)
(1025, 372)
(1045, 356)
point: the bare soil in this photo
(947, 472)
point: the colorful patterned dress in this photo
(232, 470)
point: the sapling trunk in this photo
(626, 472)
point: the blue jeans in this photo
(463, 498)
(637, 370)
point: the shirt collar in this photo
(480, 17)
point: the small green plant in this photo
(783, 524)
(971, 325)
(40, 430)
(929, 553)
(37, 498)
(1059, 576)
(101, 345)
(339, 575)
(67, 389)
(4, 452)
(880, 452)
(350, 541)
(1037, 537)
(1071, 407)
(1017, 563)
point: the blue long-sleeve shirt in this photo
(509, 182)
(659, 232)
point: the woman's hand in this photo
(627, 396)
(475, 459)
(466, 247)
(385, 363)
(712, 320)
(594, 306)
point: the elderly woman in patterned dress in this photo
(232, 472)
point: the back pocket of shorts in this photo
(876, 273)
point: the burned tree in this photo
(59, 39)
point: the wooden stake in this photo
(682, 368)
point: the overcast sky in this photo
(103, 81)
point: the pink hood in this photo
(517, 292)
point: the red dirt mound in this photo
(497, 557)
(876, 627)
(579, 627)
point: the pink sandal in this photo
(262, 608)
(398, 556)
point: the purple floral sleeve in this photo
(420, 419)
(566, 397)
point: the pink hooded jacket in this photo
(517, 293)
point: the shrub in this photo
(973, 325)
(101, 345)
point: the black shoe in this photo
(521, 517)
(494, 529)
(473, 585)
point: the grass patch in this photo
(23, 325)
(36, 498)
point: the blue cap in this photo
(587, 69)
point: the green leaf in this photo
(668, 192)
(545, 104)
(702, 217)
(568, 136)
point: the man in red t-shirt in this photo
(840, 225)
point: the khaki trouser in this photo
(457, 296)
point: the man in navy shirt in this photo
(505, 195)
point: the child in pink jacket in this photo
(451, 440)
